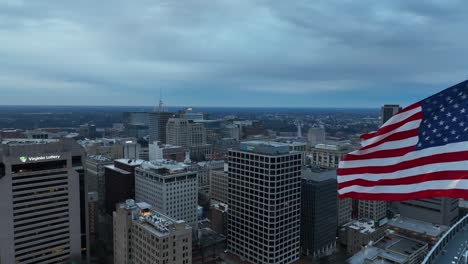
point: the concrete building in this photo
(316, 135)
(392, 248)
(375, 210)
(387, 111)
(328, 156)
(219, 185)
(203, 173)
(191, 136)
(157, 125)
(442, 211)
(136, 124)
(165, 151)
(119, 183)
(42, 219)
(143, 236)
(136, 149)
(264, 202)
(420, 230)
(319, 212)
(106, 147)
(94, 174)
(219, 218)
(345, 211)
(170, 188)
(359, 233)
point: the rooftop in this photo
(265, 147)
(151, 220)
(418, 226)
(165, 166)
(391, 248)
(99, 158)
(364, 226)
(131, 162)
(26, 141)
(318, 175)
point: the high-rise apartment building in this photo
(442, 211)
(264, 202)
(170, 188)
(157, 126)
(143, 236)
(319, 212)
(42, 219)
(387, 111)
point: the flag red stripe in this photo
(390, 153)
(394, 137)
(437, 158)
(389, 128)
(452, 193)
(440, 175)
(410, 107)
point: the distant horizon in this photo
(201, 106)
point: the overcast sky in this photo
(333, 53)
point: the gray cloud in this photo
(267, 47)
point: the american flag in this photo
(421, 152)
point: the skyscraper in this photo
(264, 202)
(41, 220)
(170, 188)
(387, 111)
(319, 212)
(157, 126)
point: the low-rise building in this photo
(142, 235)
(359, 233)
(392, 248)
(417, 229)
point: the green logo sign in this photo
(23, 158)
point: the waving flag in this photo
(421, 152)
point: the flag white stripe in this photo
(409, 188)
(406, 127)
(402, 116)
(412, 141)
(449, 148)
(424, 169)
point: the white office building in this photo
(170, 188)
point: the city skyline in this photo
(229, 53)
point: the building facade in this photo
(375, 210)
(318, 213)
(387, 111)
(41, 220)
(170, 188)
(157, 126)
(219, 185)
(119, 182)
(143, 236)
(442, 211)
(264, 202)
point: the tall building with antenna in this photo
(157, 122)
